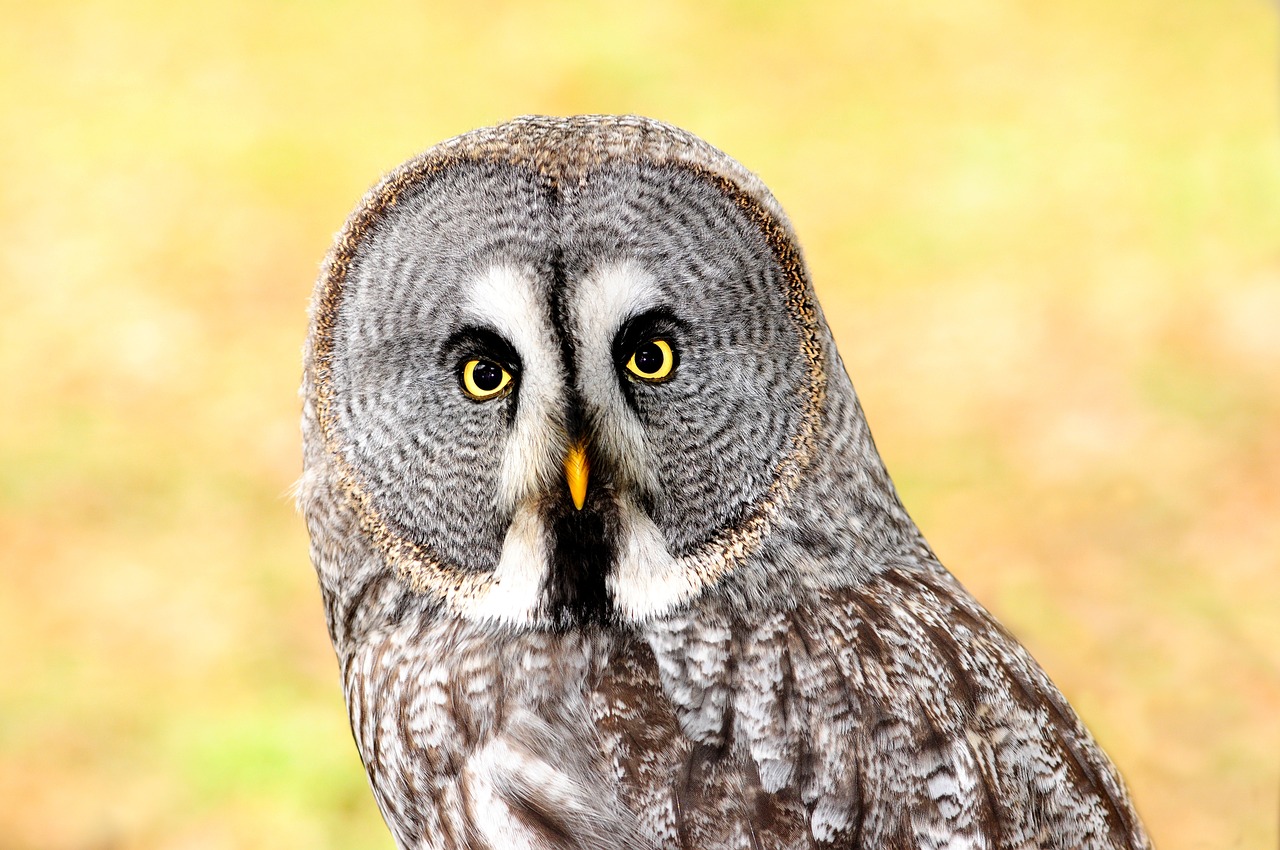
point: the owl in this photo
(608, 556)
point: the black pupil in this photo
(487, 376)
(649, 358)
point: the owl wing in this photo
(475, 742)
(525, 791)
(894, 714)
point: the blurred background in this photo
(1047, 236)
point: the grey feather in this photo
(741, 639)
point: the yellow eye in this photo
(652, 361)
(484, 379)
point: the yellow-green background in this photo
(1047, 236)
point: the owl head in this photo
(571, 372)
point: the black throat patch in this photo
(580, 564)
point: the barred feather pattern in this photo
(893, 714)
(739, 639)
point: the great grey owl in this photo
(607, 553)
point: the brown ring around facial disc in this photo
(563, 151)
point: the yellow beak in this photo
(575, 472)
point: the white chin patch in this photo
(514, 596)
(646, 581)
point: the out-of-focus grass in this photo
(1047, 237)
